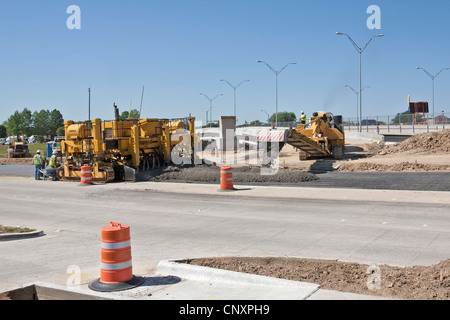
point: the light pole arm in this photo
(240, 84)
(429, 74)
(356, 92)
(354, 43)
(273, 70)
(229, 84)
(440, 72)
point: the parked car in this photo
(2, 141)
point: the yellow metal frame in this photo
(111, 143)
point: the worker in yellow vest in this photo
(303, 118)
(53, 160)
(38, 161)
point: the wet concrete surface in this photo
(419, 181)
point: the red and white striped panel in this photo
(273, 136)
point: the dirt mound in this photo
(432, 142)
(411, 283)
(16, 161)
(397, 167)
(211, 174)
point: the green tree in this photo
(406, 118)
(127, 115)
(46, 122)
(41, 121)
(283, 117)
(56, 120)
(2, 131)
(20, 123)
(60, 132)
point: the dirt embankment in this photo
(402, 166)
(211, 174)
(422, 153)
(432, 142)
(4, 160)
(410, 283)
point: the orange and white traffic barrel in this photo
(116, 273)
(86, 175)
(226, 179)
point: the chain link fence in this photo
(394, 124)
(399, 124)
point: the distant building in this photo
(441, 119)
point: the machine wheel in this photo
(60, 173)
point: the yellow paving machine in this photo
(117, 150)
(324, 137)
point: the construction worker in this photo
(53, 160)
(38, 161)
(303, 118)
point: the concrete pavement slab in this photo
(177, 280)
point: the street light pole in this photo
(89, 107)
(357, 99)
(276, 72)
(360, 51)
(268, 116)
(235, 88)
(210, 103)
(432, 80)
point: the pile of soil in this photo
(432, 142)
(211, 174)
(397, 167)
(409, 283)
(4, 160)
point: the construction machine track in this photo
(108, 175)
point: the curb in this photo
(24, 235)
(198, 273)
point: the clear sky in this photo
(178, 49)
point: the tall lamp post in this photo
(357, 99)
(89, 105)
(276, 72)
(360, 51)
(268, 116)
(210, 103)
(234, 89)
(433, 77)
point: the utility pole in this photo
(89, 107)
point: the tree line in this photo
(40, 123)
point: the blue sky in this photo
(178, 49)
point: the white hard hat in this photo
(303, 111)
(39, 151)
(55, 151)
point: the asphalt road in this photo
(168, 222)
(422, 181)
